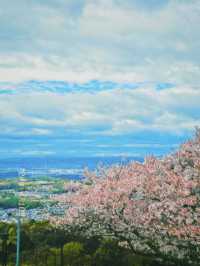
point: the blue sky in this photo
(95, 78)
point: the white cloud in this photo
(114, 111)
(33, 152)
(115, 40)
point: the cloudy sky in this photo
(98, 77)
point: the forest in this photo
(45, 245)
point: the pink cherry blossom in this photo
(153, 206)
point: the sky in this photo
(98, 78)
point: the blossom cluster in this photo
(154, 206)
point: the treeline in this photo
(11, 201)
(45, 245)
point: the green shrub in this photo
(110, 253)
(74, 255)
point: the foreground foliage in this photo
(44, 245)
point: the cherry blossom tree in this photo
(152, 207)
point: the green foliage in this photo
(110, 253)
(9, 202)
(31, 204)
(74, 255)
(45, 245)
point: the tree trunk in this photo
(55, 260)
(46, 259)
(61, 256)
